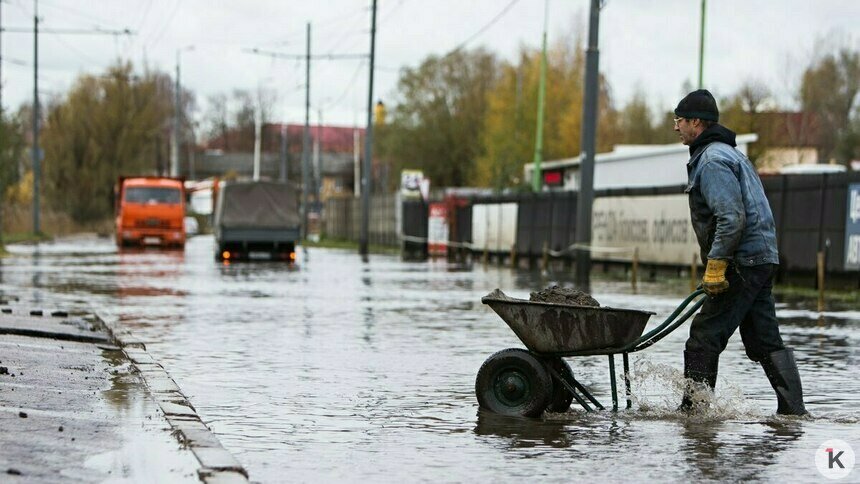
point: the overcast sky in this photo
(647, 44)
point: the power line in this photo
(74, 11)
(166, 25)
(69, 31)
(145, 14)
(348, 87)
(485, 27)
(74, 49)
(281, 55)
(391, 12)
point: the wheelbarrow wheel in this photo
(514, 382)
(561, 396)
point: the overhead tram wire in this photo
(389, 13)
(472, 37)
(281, 55)
(348, 87)
(320, 25)
(484, 28)
(69, 31)
(145, 14)
(77, 51)
(165, 27)
(72, 11)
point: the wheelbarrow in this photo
(524, 383)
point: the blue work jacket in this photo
(728, 207)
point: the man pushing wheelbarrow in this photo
(736, 234)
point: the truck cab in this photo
(150, 211)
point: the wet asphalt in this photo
(79, 404)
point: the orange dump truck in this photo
(150, 210)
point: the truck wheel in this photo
(514, 382)
(561, 396)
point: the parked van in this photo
(150, 211)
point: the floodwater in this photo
(339, 370)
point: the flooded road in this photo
(340, 370)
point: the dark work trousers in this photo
(748, 303)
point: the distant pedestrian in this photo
(737, 238)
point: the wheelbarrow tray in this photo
(557, 329)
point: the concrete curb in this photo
(217, 465)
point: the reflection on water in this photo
(334, 369)
(747, 448)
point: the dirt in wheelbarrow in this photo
(564, 295)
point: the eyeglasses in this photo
(678, 120)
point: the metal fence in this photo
(342, 219)
(810, 213)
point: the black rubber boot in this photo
(781, 370)
(700, 369)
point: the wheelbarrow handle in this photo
(670, 324)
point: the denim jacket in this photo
(728, 207)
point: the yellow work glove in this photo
(714, 281)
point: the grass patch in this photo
(349, 244)
(25, 238)
(846, 296)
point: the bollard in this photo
(514, 255)
(545, 260)
(634, 270)
(694, 276)
(486, 256)
(821, 282)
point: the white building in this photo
(627, 166)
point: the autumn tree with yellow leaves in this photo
(110, 125)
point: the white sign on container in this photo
(658, 225)
(494, 226)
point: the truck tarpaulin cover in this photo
(259, 205)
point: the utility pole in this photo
(2, 119)
(284, 171)
(318, 168)
(702, 45)
(1, 60)
(258, 128)
(356, 162)
(306, 162)
(536, 172)
(174, 141)
(368, 145)
(193, 144)
(37, 169)
(36, 152)
(175, 136)
(586, 167)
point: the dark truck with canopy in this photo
(257, 220)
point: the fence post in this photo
(821, 281)
(545, 259)
(635, 268)
(486, 258)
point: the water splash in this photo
(657, 389)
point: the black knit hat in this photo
(698, 104)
